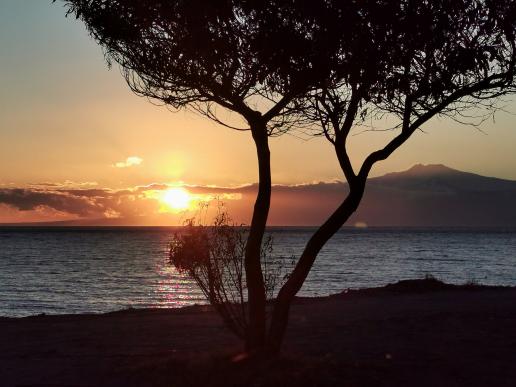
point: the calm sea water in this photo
(97, 270)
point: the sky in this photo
(70, 126)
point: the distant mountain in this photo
(435, 195)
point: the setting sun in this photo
(176, 198)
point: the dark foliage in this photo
(213, 255)
(197, 53)
(414, 60)
(320, 66)
(420, 59)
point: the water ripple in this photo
(85, 271)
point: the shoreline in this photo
(412, 333)
(420, 285)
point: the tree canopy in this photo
(422, 58)
(322, 66)
(428, 58)
(245, 55)
(241, 55)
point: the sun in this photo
(176, 198)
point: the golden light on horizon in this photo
(177, 199)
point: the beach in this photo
(414, 333)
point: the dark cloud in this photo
(25, 199)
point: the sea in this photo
(96, 270)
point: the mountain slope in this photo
(435, 195)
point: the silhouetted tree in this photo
(282, 64)
(249, 57)
(413, 60)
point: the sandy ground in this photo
(398, 336)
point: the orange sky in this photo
(68, 122)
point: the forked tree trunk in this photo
(295, 281)
(255, 338)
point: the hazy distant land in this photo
(423, 196)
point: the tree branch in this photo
(278, 107)
(341, 135)
(408, 130)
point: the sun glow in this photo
(176, 198)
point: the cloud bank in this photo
(141, 204)
(422, 196)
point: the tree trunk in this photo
(295, 281)
(255, 340)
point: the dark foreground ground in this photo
(417, 333)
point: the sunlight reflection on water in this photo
(175, 289)
(77, 271)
